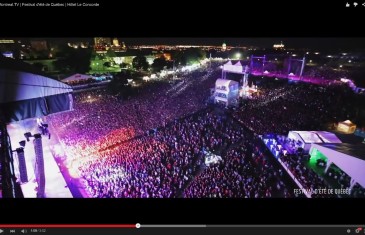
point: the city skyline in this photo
(319, 43)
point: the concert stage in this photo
(55, 186)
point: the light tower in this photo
(302, 61)
(39, 169)
(246, 72)
(263, 58)
(22, 165)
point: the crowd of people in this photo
(326, 72)
(159, 164)
(96, 154)
(151, 108)
(154, 144)
(306, 176)
(244, 172)
(166, 162)
(344, 182)
(279, 109)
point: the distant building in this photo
(99, 41)
(279, 46)
(13, 48)
(117, 47)
(102, 45)
(116, 42)
(8, 54)
(7, 41)
(224, 46)
(78, 44)
(121, 57)
(39, 45)
(7, 47)
(126, 57)
(158, 54)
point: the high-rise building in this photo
(99, 41)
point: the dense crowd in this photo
(160, 164)
(163, 163)
(244, 172)
(326, 72)
(151, 108)
(306, 176)
(293, 107)
(155, 144)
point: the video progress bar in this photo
(68, 225)
(177, 226)
(247, 226)
(173, 226)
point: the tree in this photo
(119, 84)
(140, 62)
(123, 65)
(61, 50)
(110, 53)
(38, 65)
(194, 55)
(159, 64)
(77, 60)
(107, 64)
(179, 58)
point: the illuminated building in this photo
(116, 42)
(224, 46)
(6, 41)
(158, 54)
(39, 45)
(117, 47)
(78, 44)
(101, 45)
(11, 48)
(8, 54)
(279, 46)
(99, 41)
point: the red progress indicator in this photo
(69, 225)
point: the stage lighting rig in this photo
(27, 135)
(22, 143)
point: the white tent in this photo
(346, 127)
(349, 158)
(238, 63)
(76, 77)
(236, 68)
(26, 95)
(306, 138)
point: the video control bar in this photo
(202, 229)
